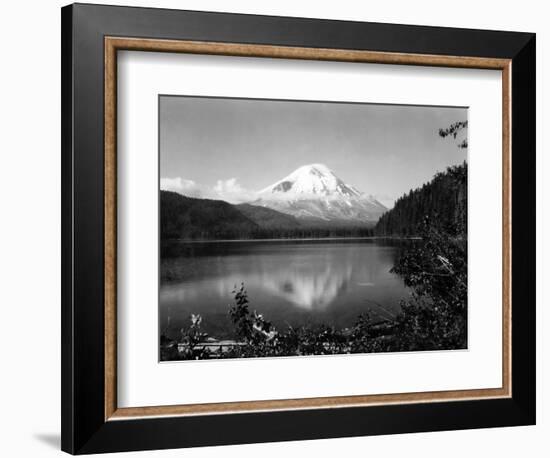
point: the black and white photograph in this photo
(296, 228)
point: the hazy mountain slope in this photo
(267, 218)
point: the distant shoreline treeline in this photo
(278, 234)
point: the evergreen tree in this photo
(444, 200)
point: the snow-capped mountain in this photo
(314, 191)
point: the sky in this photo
(229, 148)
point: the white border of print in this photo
(143, 381)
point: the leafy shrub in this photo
(436, 271)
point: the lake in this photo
(290, 282)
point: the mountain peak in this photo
(314, 190)
(315, 169)
(312, 180)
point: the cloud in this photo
(231, 191)
(180, 185)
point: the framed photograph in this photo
(281, 228)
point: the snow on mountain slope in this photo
(310, 180)
(314, 191)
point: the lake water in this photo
(289, 282)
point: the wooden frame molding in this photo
(111, 46)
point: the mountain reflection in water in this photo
(290, 283)
(311, 287)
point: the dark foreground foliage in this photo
(434, 318)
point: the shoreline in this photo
(305, 239)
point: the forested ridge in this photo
(188, 218)
(443, 200)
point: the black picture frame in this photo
(84, 428)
